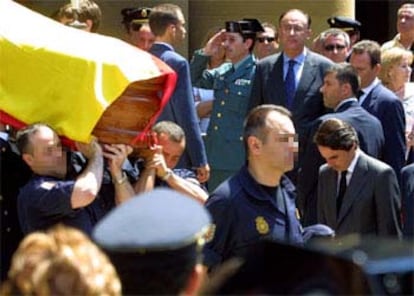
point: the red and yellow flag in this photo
(64, 76)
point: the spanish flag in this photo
(67, 77)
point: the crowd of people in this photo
(263, 138)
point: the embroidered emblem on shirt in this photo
(47, 185)
(209, 235)
(261, 225)
(242, 82)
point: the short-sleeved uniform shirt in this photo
(45, 201)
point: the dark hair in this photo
(345, 73)
(162, 16)
(23, 137)
(336, 135)
(155, 272)
(174, 131)
(255, 122)
(372, 48)
(307, 16)
(88, 10)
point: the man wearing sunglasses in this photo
(266, 42)
(335, 45)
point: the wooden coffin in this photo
(126, 119)
(82, 84)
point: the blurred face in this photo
(266, 43)
(236, 49)
(335, 48)
(293, 32)
(400, 73)
(362, 64)
(339, 160)
(172, 151)
(142, 38)
(332, 90)
(47, 157)
(405, 20)
(279, 150)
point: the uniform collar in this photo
(240, 63)
(257, 191)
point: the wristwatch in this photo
(168, 173)
(122, 180)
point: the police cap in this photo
(135, 15)
(159, 220)
(344, 23)
(244, 27)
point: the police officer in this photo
(232, 84)
(347, 24)
(258, 202)
(154, 241)
(136, 25)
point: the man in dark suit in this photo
(380, 102)
(270, 86)
(356, 192)
(341, 84)
(407, 200)
(167, 23)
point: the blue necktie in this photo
(290, 84)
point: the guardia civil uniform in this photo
(232, 84)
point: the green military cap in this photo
(244, 27)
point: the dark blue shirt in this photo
(45, 201)
(244, 212)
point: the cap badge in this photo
(209, 235)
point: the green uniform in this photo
(232, 87)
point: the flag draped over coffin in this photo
(64, 76)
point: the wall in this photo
(203, 14)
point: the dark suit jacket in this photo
(180, 108)
(385, 105)
(407, 196)
(269, 87)
(371, 141)
(371, 203)
(14, 173)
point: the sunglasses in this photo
(334, 46)
(268, 39)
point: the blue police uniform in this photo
(232, 87)
(105, 200)
(45, 201)
(244, 212)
